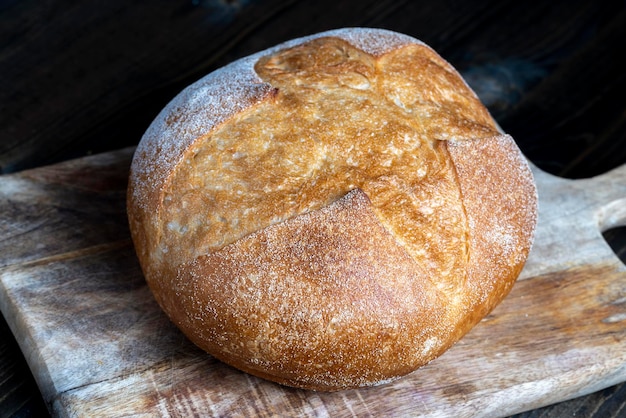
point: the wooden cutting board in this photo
(98, 345)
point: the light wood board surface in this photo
(98, 345)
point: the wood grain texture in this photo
(99, 345)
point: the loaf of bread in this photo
(331, 213)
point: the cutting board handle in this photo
(613, 213)
(573, 214)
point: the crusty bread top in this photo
(232, 91)
(213, 99)
(202, 107)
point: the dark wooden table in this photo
(78, 78)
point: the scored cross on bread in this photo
(332, 213)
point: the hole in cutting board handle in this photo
(616, 238)
(612, 223)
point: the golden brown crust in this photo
(293, 296)
(340, 216)
(500, 200)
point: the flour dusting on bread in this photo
(333, 212)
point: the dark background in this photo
(83, 77)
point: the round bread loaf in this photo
(331, 213)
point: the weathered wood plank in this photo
(98, 343)
(52, 210)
